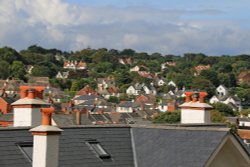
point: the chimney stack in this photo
(195, 111)
(27, 109)
(46, 141)
(78, 117)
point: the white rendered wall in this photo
(243, 123)
(27, 117)
(194, 116)
(45, 151)
(124, 110)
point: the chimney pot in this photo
(31, 94)
(46, 115)
(188, 96)
(78, 117)
(23, 91)
(202, 96)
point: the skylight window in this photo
(96, 146)
(27, 149)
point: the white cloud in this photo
(55, 23)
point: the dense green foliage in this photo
(168, 117)
(223, 108)
(105, 62)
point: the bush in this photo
(217, 117)
(223, 108)
(168, 117)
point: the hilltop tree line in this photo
(105, 62)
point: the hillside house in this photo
(29, 69)
(126, 61)
(10, 86)
(160, 82)
(86, 90)
(104, 83)
(127, 107)
(138, 89)
(166, 64)
(199, 68)
(244, 77)
(62, 75)
(172, 83)
(75, 65)
(222, 95)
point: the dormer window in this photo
(97, 147)
(27, 149)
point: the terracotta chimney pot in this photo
(188, 96)
(31, 94)
(202, 96)
(23, 91)
(46, 115)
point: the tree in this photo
(223, 108)
(9, 55)
(211, 75)
(18, 70)
(244, 95)
(129, 52)
(4, 69)
(113, 99)
(75, 86)
(202, 84)
(217, 117)
(40, 71)
(168, 117)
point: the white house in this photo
(244, 121)
(135, 69)
(62, 75)
(140, 88)
(222, 96)
(149, 90)
(160, 82)
(127, 107)
(132, 91)
(221, 91)
(172, 83)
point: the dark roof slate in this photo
(171, 147)
(74, 152)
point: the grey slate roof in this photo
(172, 147)
(74, 152)
(147, 146)
(128, 104)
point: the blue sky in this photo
(213, 27)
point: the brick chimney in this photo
(194, 111)
(46, 141)
(27, 109)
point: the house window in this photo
(27, 149)
(97, 147)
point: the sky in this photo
(214, 27)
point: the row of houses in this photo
(192, 142)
